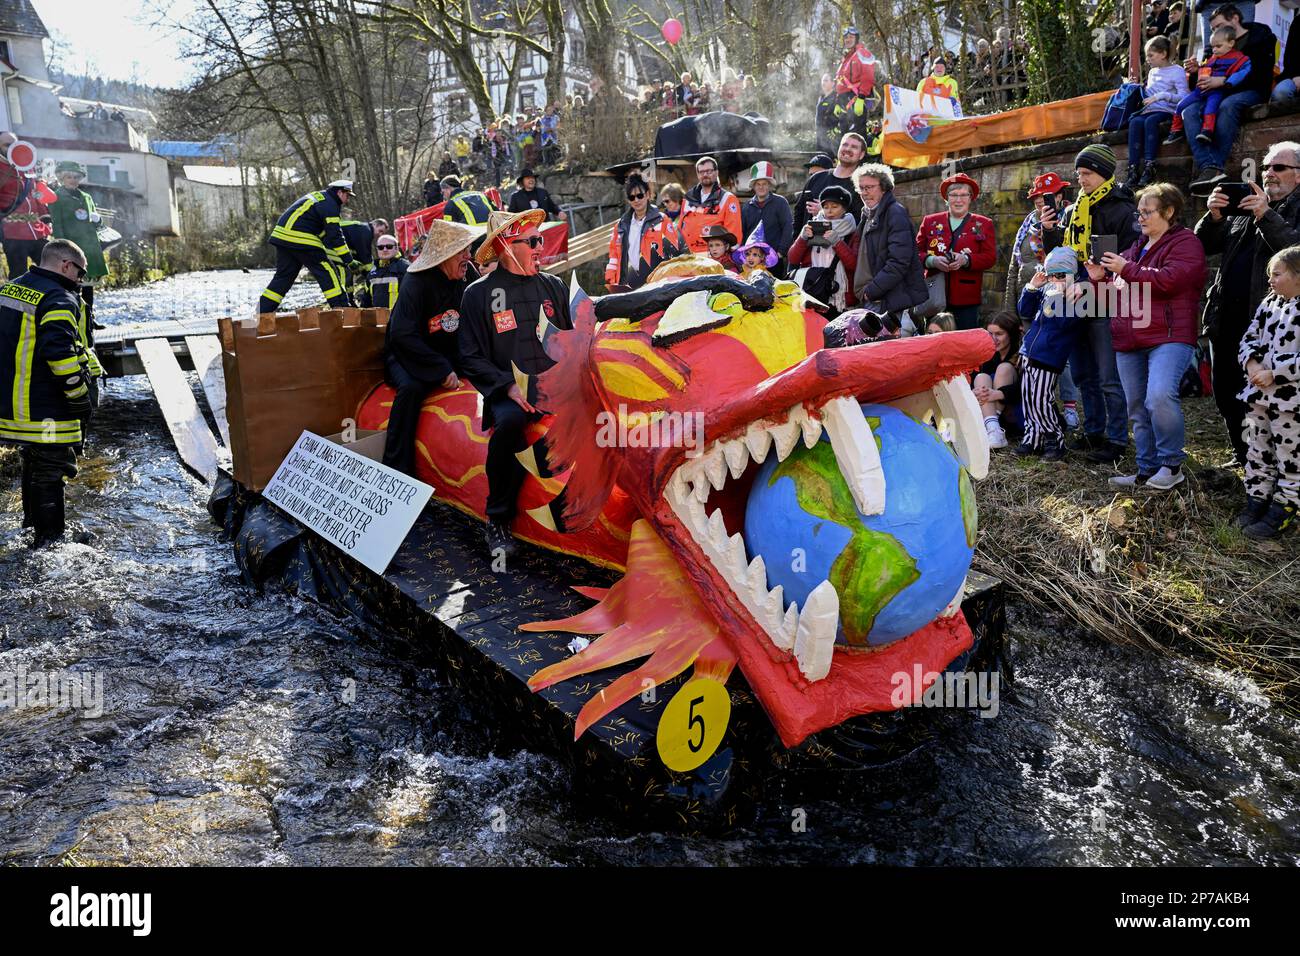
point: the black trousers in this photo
(18, 251)
(332, 279)
(44, 469)
(505, 474)
(1229, 378)
(404, 416)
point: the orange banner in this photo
(1012, 128)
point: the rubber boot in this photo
(48, 513)
(1255, 509)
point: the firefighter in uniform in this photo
(498, 330)
(420, 341)
(45, 378)
(465, 206)
(304, 237)
(361, 238)
(380, 287)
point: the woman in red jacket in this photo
(27, 226)
(962, 244)
(1160, 279)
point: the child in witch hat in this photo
(755, 255)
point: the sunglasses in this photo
(635, 196)
(534, 242)
(81, 270)
(388, 247)
(1278, 167)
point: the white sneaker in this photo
(997, 437)
(1164, 480)
(1128, 481)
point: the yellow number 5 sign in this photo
(693, 724)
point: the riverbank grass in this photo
(1164, 571)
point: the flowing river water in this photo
(224, 738)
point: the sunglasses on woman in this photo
(534, 242)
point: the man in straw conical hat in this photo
(498, 333)
(420, 343)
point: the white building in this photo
(453, 102)
(132, 185)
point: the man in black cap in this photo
(853, 149)
(529, 195)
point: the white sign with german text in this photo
(361, 506)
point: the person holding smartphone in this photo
(1267, 221)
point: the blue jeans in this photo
(1068, 392)
(1225, 131)
(1144, 137)
(1286, 91)
(1151, 379)
(1092, 365)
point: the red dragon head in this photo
(678, 409)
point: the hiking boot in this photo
(1088, 442)
(1275, 521)
(1025, 450)
(1054, 450)
(1148, 174)
(1166, 479)
(499, 540)
(1131, 179)
(1175, 136)
(1205, 137)
(1108, 454)
(1071, 415)
(1206, 180)
(1128, 481)
(997, 435)
(1255, 509)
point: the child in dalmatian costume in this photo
(1270, 354)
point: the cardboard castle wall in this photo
(292, 371)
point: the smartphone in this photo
(1235, 192)
(819, 227)
(1098, 246)
(1049, 201)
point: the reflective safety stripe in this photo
(92, 364)
(61, 315)
(65, 366)
(296, 238)
(50, 431)
(273, 296)
(378, 293)
(466, 212)
(23, 358)
(77, 392)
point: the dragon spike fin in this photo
(543, 516)
(544, 327)
(568, 388)
(520, 379)
(536, 459)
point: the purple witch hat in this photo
(756, 240)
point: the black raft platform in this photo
(441, 595)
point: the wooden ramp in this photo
(193, 437)
(585, 248)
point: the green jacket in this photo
(75, 218)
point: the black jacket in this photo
(1116, 215)
(813, 188)
(423, 329)
(777, 219)
(1291, 56)
(43, 362)
(889, 248)
(1246, 242)
(1260, 44)
(312, 222)
(382, 283)
(490, 341)
(470, 208)
(360, 237)
(524, 200)
(433, 191)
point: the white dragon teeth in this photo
(737, 456)
(955, 604)
(785, 436)
(809, 635)
(758, 440)
(969, 438)
(856, 453)
(814, 642)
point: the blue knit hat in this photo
(1060, 260)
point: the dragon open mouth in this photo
(708, 494)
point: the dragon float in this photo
(664, 407)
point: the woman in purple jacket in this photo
(1158, 286)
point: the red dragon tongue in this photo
(571, 442)
(651, 612)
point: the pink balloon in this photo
(672, 31)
